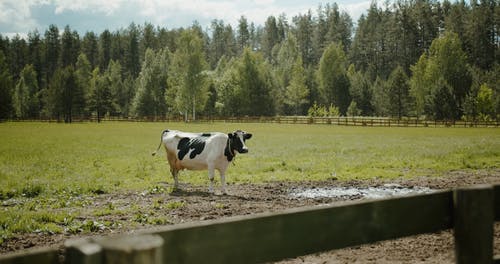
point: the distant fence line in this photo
(470, 212)
(357, 121)
(339, 121)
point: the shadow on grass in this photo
(188, 190)
(180, 192)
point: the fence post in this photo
(473, 224)
(136, 249)
(83, 251)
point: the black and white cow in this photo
(201, 151)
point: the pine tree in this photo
(148, 39)
(120, 93)
(132, 58)
(398, 92)
(83, 73)
(380, 100)
(254, 82)
(36, 56)
(360, 90)
(480, 33)
(6, 87)
(243, 34)
(18, 55)
(69, 47)
(105, 49)
(217, 43)
(304, 34)
(64, 98)
(270, 37)
(52, 51)
(100, 101)
(90, 48)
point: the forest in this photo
(436, 60)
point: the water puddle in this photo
(384, 191)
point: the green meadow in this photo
(49, 171)
(47, 158)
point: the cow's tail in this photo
(161, 141)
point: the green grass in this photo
(48, 168)
(38, 158)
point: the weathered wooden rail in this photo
(358, 121)
(470, 212)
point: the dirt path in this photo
(133, 211)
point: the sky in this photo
(23, 16)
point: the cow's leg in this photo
(172, 161)
(175, 174)
(211, 174)
(223, 180)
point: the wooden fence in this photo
(265, 237)
(340, 121)
(356, 121)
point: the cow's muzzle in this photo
(244, 150)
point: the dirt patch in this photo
(128, 212)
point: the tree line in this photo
(420, 58)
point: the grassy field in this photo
(47, 165)
(37, 158)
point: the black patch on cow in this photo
(228, 151)
(196, 144)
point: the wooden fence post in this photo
(473, 224)
(83, 251)
(137, 249)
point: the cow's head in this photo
(238, 139)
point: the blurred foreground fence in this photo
(265, 237)
(340, 121)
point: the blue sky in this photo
(23, 16)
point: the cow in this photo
(202, 151)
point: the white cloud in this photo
(355, 9)
(159, 11)
(16, 16)
(108, 7)
(263, 2)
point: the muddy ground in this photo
(193, 203)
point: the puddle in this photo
(384, 191)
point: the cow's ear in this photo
(248, 136)
(230, 135)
